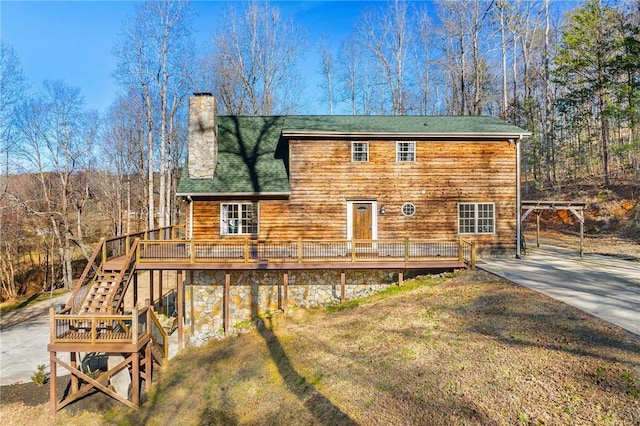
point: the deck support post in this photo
(227, 302)
(53, 378)
(538, 228)
(400, 277)
(159, 288)
(180, 307)
(151, 286)
(135, 378)
(285, 291)
(73, 356)
(148, 367)
(582, 238)
(343, 282)
(135, 287)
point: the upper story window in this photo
(359, 151)
(476, 218)
(239, 219)
(405, 151)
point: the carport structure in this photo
(538, 206)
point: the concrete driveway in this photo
(24, 336)
(603, 286)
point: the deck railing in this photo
(97, 329)
(66, 328)
(300, 251)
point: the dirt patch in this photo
(603, 244)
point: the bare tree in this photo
(155, 56)
(326, 69)
(254, 57)
(387, 35)
(58, 136)
(424, 59)
(13, 85)
(123, 145)
(350, 63)
(465, 33)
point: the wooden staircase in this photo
(108, 286)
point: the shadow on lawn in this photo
(317, 404)
(523, 320)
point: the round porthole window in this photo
(408, 209)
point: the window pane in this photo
(230, 216)
(466, 218)
(485, 218)
(405, 151)
(476, 218)
(239, 218)
(359, 151)
(249, 219)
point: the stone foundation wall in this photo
(254, 293)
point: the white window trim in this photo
(475, 218)
(398, 160)
(366, 143)
(374, 218)
(223, 219)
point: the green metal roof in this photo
(248, 161)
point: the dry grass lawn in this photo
(468, 349)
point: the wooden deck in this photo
(298, 255)
(137, 337)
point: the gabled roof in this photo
(249, 164)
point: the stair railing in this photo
(90, 271)
(159, 337)
(127, 269)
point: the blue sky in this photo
(73, 40)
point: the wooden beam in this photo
(285, 291)
(343, 282)
(400, 277)
(93, 383)
(538, 228)
(135, 288)
(74, 363)
(148, 366)
(159, 287)
(227, 302)
(151, 286)
(53, 382)
(135, 378)
(439, 263)
(180, 307)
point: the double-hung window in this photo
(239, 219)
(405, 151)
(476, 218)
(359, 152)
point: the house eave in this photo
(233, 194)
(409, 135)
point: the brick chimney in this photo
(203, 135)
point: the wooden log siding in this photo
(323, 179)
